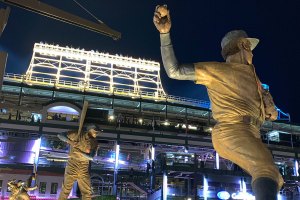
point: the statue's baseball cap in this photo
(235, 35)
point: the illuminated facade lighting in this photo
(152, 153)
(205, 188)
(217, 161)
(223, 195)
(296, 168)
(243, 196)
(36, 148)
(166, 123)
(165, 186)
(117, 156)
(140, 120)
(111, 117)
(190, 127)
(244, 186)
(66, 67)
(273, 136)
(186, 149)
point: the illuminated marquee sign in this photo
(93, 71)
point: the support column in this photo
(87, 75)
(152, 178)
(164, 190)
(189, 187)
(113, 99)
(116, 167)
(205, 187)
(296, 167)
(243, 187)
(135, 80)
(195, 185)
(36, 148)
(57, 78)
(20, 101)
(111, 79)
(186, 122)
(217, 161)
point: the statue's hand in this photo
(73, 144)
(161, 19)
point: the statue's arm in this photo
(31, 188)
(174, 69)
(162, 22)
(11, 183)
(68, 137)
(94, 150)
(271, 112)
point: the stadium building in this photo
(153, 145)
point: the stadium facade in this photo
(152, 146)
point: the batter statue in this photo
(19, 189)
(239, 103)
(83, 148)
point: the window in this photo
(42, 188)
(54, 187)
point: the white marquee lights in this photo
(91, 70)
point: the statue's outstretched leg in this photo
(23, 196)
(241, 144)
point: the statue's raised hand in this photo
(161, 19)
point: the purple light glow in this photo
(112, 160)
(17, 151)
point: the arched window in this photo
(63, 113)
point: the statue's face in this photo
(93, 133)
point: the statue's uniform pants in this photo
(13, 197)
(76, 170)
(241, 144)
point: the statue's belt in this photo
(249, 120)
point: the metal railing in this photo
(104, 89)
(117, 91)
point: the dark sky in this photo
(197, 29)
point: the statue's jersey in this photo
(84, 144)
(233, 89)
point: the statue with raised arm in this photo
(19, 189)
(239, 104)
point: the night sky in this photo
(197, 29)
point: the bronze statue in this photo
(83, 148)
(239, 104)
(19, 189)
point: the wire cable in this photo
(86, 10)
